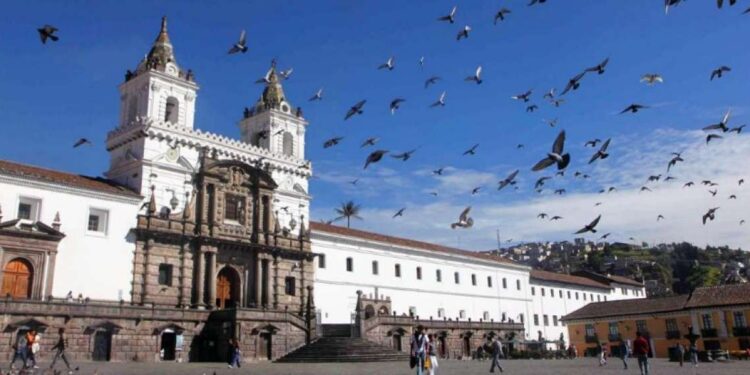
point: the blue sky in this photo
(52, 94)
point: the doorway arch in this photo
(18, 276)
(369, 312)
(227, 288)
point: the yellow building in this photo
(718, 315)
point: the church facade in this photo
(194, 238)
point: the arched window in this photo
(171, 110)
(132, 109)
(287, 145)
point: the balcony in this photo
(741, 331)
(592, 339)
(614, 337)
(708, 332)
(672, 335)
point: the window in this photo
(374, 267)
(349, 264)
(518, 284)
(502, 317)
(545, 318)
(592, 296)
(412, 311)
(287, 144)
(486, 315)
(520, 317)
(576, 296)
(489, 281)
(584, 296)
(419, 273)
(289, 286)
(598, 298)
(473, 279)
(28, 208)
(554, 320)
(438, 276)
(462, 314)
(98, 220)
(542, 289)
(233, 207)
(165, 274)
(536, 319)
(590, 331)
(559, 293)
(739, 319)
(552, 293)
(614, 330)
(568, 294)
(441, 312)
(397, 270)
(708, 323)
(605, 298)
(533, 291)
(171, 110)
(322, 261)
(505, 283)
(456, 278)
(671, 325)
(132, 109)
(640, 326)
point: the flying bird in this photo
(710, 215)
(285, 74)
(404, 155)
(555, 218)
(354, 181)
(601, 153)
(399, 213)
(645, 188)
(318, 95)
(713, 192)
(654, 178)
(510, 180)
(542, 215)
(722, 125)
(500, 15)
(712, 136)
(732, 196)
(464, 221)
(688, 184)
(670, 3)
(550, 95)
(551, 123)
(599, 68)
(741, 181)
(396, 104)
(464, 33)
(556, 156)
(431, 81)
(532, 108)
(421, 62)
(677, 158)
(652, 78)
(560, 191)
(477, 77)
(592, 142)
(47, 32)
(355, 109)
(332, 142)
(737, 130)
(634, 108)
(475, 190)
(440, 102)
(718, 72)
(604, 237)
(660, 217)
(573, 83)
(533, 2)
(451, 17)
(472, 150)
(374, 157)
(438, 172)
(240, 46)
(525, 96)
(389, 64)
(540, 181)
(590, 227)
(370, 142)
(81, 142)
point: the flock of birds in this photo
(556, 157)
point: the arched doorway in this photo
(17, 279)
(396, 344)
(466, 341)
(168, 345)
(369, 312)
(227, 288)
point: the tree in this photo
(348, 210)
(703, 276)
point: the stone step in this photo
(338, 349)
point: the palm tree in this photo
(348, 210)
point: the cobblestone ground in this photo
(535, 367)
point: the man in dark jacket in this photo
(640, 350)
(497, 352)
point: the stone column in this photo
(246, 287)
(200, 281)
(302, 289)
(275, 279)
(258, 281)
(144, 285)
(50, 273)
(211, 277)
(183, 292)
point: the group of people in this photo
(28, 345)
(423, 356)
(641, 349)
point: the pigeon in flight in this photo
(318, 95)
(721, 125)
(551, 123)
(741, 181)
(573, 83)
(590, 227)
(375, 157)
(47, 32)
(550, 95)
(710, 215)
(712, 136)
(81, 142)
(421, 62)
(670, 3)
(718, 72)
(477, 77)
(354, 181)
(395, 104)
(634, 108)
(645, 188)
(602, 153)
(240, 46)
(525, 96)
(500, 15)
(332, 142)
(389, 64)
(370, 142)
(540, 181)
(472, 150)
(475, 190)
(404, 155)
(542, 216)
(533, 2)
(510, 180)
(599, 68)
(285, 74)
(556, 156)
(532, 108)
(677, 158)
(355, 109)
(440, 102)
(652, 78)
(604, 237)
(431, 81)
(737, 130)
(732, 196)
(560, 191)
(555, 218)
(660, 217)
(654, 178)
(592, 142)
(438, 172)
(464, 221)
(464, 33)
(743, 220)
(399, 213)
(451, 17)
(713, 192)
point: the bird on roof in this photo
(356, 109)
(440, 102)
(718, 72)
(556, 156)
(500, 15)
(633, 108)
(399, 213)
(599, 68)
(710, 215)
(652, 78)
(318, 95)
(591, 227)
(374, 157)
(463, 33)
(47, 32)
(477, 77)
(472, 150)
(431, 81)
(332, 142)
(523, 96)
(396, 104)
(451, 17)
(81, 142)
(370, 142)
(573, 83)
(510, 180)
(601, 153)
(240, 45)
(464, 221)
(388, 64)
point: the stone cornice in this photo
(67, 189)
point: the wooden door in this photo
(264, 346)
(223, 291)
(102, 346)
(17, 279)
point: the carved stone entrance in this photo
(227, 288)
(17, 279)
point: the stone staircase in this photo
(336, 345)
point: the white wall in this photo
(97, 265)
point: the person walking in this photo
(602, 355)
(625, 352)
(60, 351)
(235, 355)
(432, 354)
(497, 352)
(694, 354)
(681, 353)
(30, 353)
(19, 352)
(419, 344)
(641, 349)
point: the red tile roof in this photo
(599, 310)
(335, 229)
(567, 279)
(66, 179)
(722, 295)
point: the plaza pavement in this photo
(535, 367)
